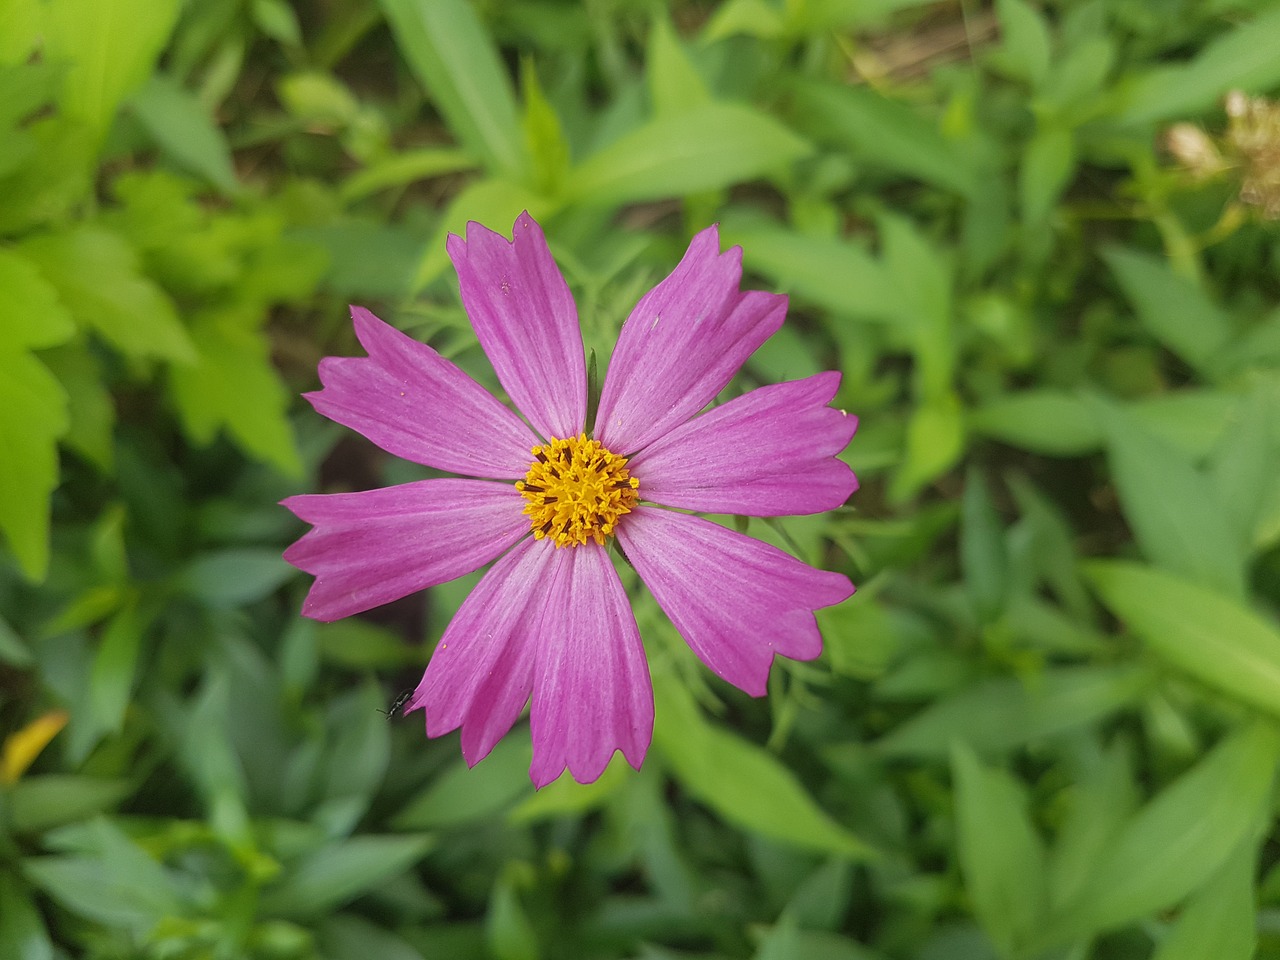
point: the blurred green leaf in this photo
(1220, 920)
(995, 715)
(1048, 163)
(1175, 514)
(674, 83)
(233, 577)
(350, 937)
(745, 784)
(1025, 45)
(97, 276)
(458, 65)
(1246, 460)
(42, 801)
(1178, 841)
(185, 130)
(111, 48)
(33, 316)
(23, 935)
(341, 872)
(882, 131)
(1102, 798)
(1197, 629)
(1000, 853)
(983, 556)
(468, 794)
(508, 930)
(706, 147)
(935, 441)
(33, 415)
(1175, 310)
(1044, 421)
(1243, 57)
(115, 667)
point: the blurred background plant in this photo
(1040, 242)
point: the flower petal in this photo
(415, 404)
(525, 318)
(481, 672)
(736, 601)
(768, 453)
(682, 344)
(370, 548)
(591, 689)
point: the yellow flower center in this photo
(576, 489)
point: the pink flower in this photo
(551, 618)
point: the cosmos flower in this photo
(550, 623)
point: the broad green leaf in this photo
(38, 803)
(743, 783)
(923, 279)
(110, 49)
(1172, 308)
(23, 935)
(1220, 920)
(32, 314)
(567, 797)
(341, 872)
(1102, 797)
(1178, 841)
(347, 936)
(33, 415)
(984, 558)
(1243, 57)
(402, 169)
(1209, 635)
(19, 30)
(1048, 162)
(993, 716)
(1246, 462)
(935, 441)
(1000, 854)
(701, 148)
(881, 131)
(79, 369)
(235, 576)
(1173, 509)
(457, 63)
(754, 18)
(543, 133)
(96, 274)
(184, 129)
(833, 273)
(674, 83)
(468, 794)
(233, 385)
(115, 666)
(508, 930)
(1024, 40)
(1043, 421)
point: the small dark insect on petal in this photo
(391, 712)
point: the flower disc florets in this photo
(576, 490)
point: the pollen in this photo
(577, 490)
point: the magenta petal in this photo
(481, 673)
(370, 548)
(736, 601)
(415, 404)
(525, 319)
(591, 690)
(682, 344)
(768, 453)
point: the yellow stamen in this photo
(576, 490)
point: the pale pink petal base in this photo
(768, 453)
(415, 404)
(591, 689)
(736, 601)
(526, 321)
(370, 548)
(682, 344)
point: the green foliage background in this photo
(1046, 726)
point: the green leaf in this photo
(402, 169)
(1173, 509)
(1243, 57)
(184, 129)
(935, 441)
(1048, 163)
(993, 716)
(114, 667)
(39, 803)
(79, 370)
(1172, 308)
(96, 274)
(983, 556)
(19, 30)
(341, 872)
(233, 385)
(23, 935)
(543, 133)
(1000, 854)
(1210, 636)
(743, 783)
(674, 83)
(1178, 841)
(709, 147)
(234, 577)
(111, 48)
(1220, 920)
(33, 415)
(882, 131)
(468, 794)
(33, 315)
(1246, 462)
(458, 65)
(1102, 798)
(1044, 421)
(1024, 46)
